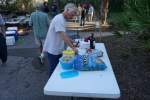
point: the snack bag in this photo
(88, 62)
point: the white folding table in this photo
(93, 84)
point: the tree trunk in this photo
(104, 10)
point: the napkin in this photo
(69, 74)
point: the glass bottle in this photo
(92, 42)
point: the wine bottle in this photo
(92, 42)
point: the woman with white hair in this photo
(56, 36)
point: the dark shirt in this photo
(83, 13)
(53, 8)
(45, 9)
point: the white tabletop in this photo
(94, 84)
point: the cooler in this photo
(10, 40)
(12, 28)
(12, 33)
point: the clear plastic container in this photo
(67, 62)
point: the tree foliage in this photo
(136, 20)
(139, 11)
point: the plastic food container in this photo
(67, 62)
(68, 53)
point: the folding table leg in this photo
(78, 33)
(80, 98)
(73, 98)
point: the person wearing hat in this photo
(3, 46)
(53, 8)
(40, 22)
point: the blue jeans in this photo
(53, 61)
(54, 14)
(79, 18)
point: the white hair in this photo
(72, 7)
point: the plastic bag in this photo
(89, 62)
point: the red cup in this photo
(86, 40)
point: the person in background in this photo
(40, 22)
(45, 8)
(56, 36)
(83, 15)
(90, 13)
(53, 8)
(3, 46)
(79, 13)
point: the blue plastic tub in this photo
(67, 65)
